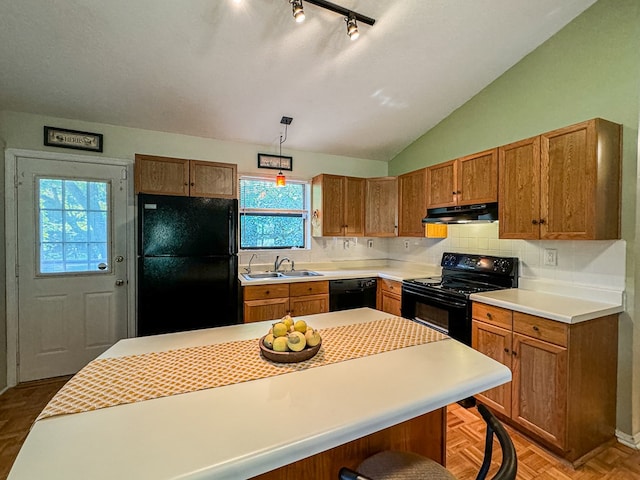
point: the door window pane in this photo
(73, 225)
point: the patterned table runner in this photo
(115, 381)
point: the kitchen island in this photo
(263, 426)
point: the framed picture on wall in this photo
(275, 162)
(60, 137)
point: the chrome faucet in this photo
(278, 263)
(248, 267)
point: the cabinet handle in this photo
(535, 328)
(534, 222)
(489, 316)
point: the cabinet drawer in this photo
(308, 288)
(500, 317)
(259, 292)
(390, 286)
(541, 328)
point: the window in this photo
(72, 225)
(272, 217)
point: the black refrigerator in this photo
(187, 263)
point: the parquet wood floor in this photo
(19, 407)
(465, 448)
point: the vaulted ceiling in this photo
(230, 69)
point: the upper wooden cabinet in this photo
(412, 203)
(564, 184)
(464, 181)
(337, 206)
(178, 176)
(381, 200)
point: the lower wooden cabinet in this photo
(563, 377)
(389, 296)
(271, 302)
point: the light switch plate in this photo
(551, 257)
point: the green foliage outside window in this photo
(73, 225)
(272, 217)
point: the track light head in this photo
(352, 27)
(298, 11)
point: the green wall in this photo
(591, 68)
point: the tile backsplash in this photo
(597, 264)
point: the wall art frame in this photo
(275, 162)
(75, 139)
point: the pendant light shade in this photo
(281, 180)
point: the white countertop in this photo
(242, 430)
(555, 307)
(391, 273)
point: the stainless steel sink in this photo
(291, 273)
(256, 276)
(300, 273)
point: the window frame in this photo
(304, 213)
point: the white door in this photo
(72, 264)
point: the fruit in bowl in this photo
(290, 341)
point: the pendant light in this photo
(281, 180)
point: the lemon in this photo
(280, 344)
(287, 320)
(280, 329)
(268, 340)
(296, 341)
(312, 337)
(300, 326)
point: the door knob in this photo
(102, 266)
(119, 282)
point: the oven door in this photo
(445, 313)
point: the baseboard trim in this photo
(632, 441)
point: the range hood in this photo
(479, 213)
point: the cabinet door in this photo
(519, 189)
(309, 304)
(390, 303)
(212, 179)
(354, 206)
(540, 388)
(259, 310)
(494, 342)
(328, 205)
(161, 175)
(442, 185)
(412, 203)
(477, 178)
(381, 207)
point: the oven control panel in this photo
(479, 263)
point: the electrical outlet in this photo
(406, 244)
(551, 257)
(370, 243)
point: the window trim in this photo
(305, 214)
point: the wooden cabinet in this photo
(563, 185)
(389, 296)
(412, 203)
(563, 376)
(464, 181)
(337, 205)
(178, 176)
(381, 213)
(274, 301)
(308, 298)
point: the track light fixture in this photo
(298, 11)
(350, 17)
(352, 27)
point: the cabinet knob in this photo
(453, 193)
(489, 315)
(267, 292)
(542, 221)
(193, 184)
(535, 328)
(506, 350)
(534, 222)
(514, 353)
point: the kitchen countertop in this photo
(245, 429)
(555, 307)
(390, 273)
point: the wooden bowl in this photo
(288, 357)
